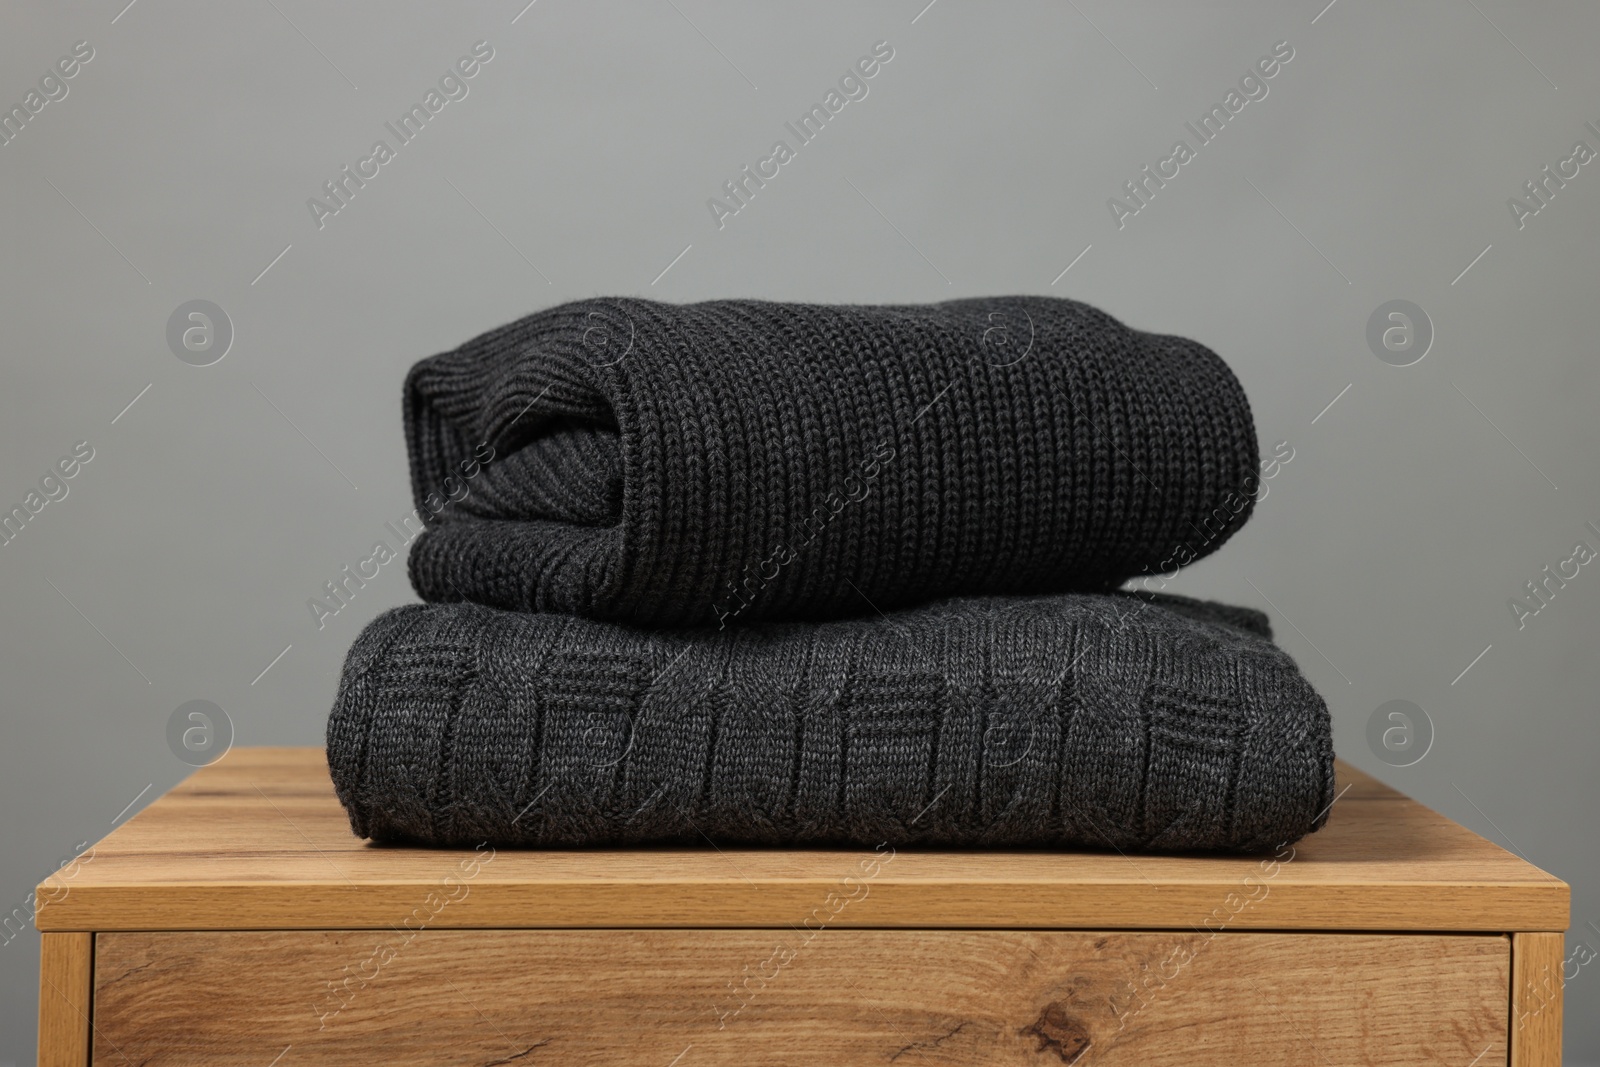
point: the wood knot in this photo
(1059, 1032)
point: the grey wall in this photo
(1378, 167)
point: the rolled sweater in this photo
(737, 460)
(1112, 720)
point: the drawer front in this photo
(797, 996)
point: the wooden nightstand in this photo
(237, 921)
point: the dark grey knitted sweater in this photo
(737, 460)
(1158, 723)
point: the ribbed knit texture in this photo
(1111, 720)
(738, 460)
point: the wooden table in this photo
(237, 921)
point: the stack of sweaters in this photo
(785, 574)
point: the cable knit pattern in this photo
(731, 461)
(1131, 721)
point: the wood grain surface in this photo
(827, 997)
(258, 841)
(66, 967)
(1537, 977)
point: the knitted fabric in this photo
(1120, 720)
(737, 460)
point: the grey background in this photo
(982, 160)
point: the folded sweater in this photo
(1101, 720)
(738, 460)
